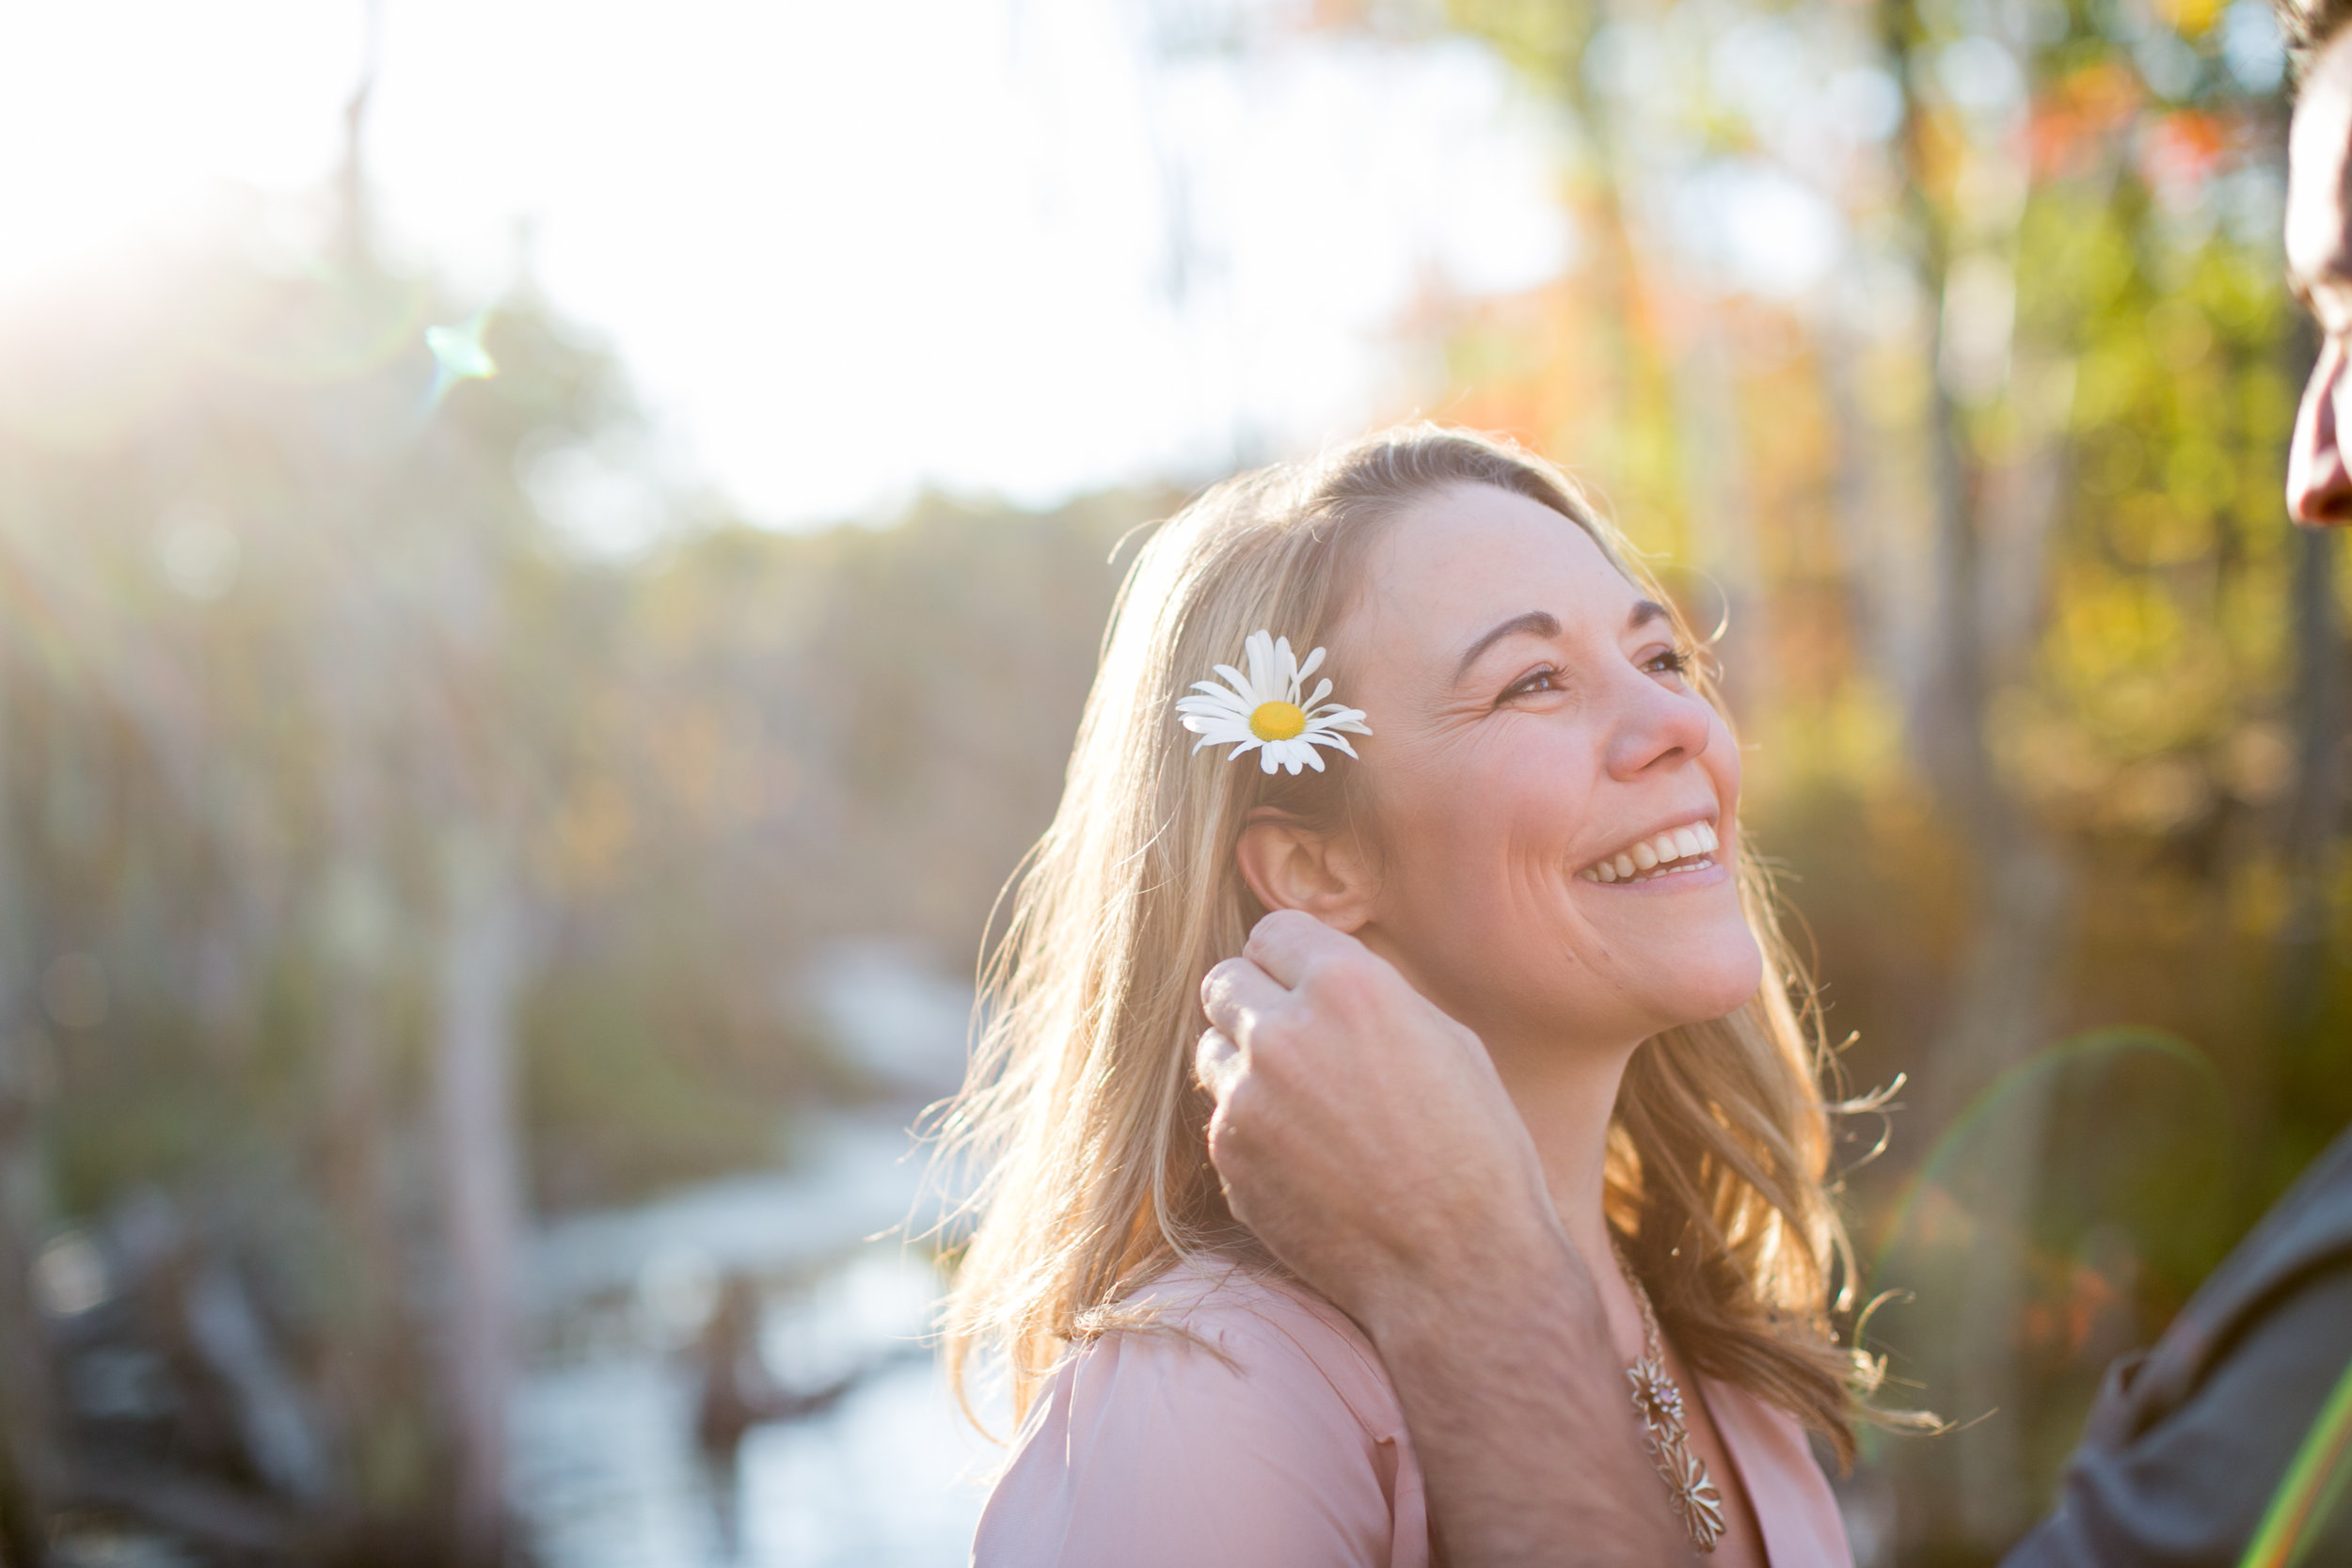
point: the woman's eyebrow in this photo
(1539, 623)
(1536, 622)
(1542, 623)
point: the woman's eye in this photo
(1674, 662)
(1541, 680)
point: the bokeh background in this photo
(549, 556)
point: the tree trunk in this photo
(29, 1477)
(481, 976)
(2002, 1013)
(1988, 534)
(1878, 532)
(1992, 529)
(28, 1438)
(367, 1360)
(1723, 516)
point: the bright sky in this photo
(1022, 246)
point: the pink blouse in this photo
(1284, 1447)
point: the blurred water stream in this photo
(609, 1472)
(884, 1472)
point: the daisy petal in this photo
(1293, 754)
(1268, 760)
(1338, 742)
(1258, 652)
(1241, 687)
(1314, 662)
(1285, 668)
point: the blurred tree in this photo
(396, 866)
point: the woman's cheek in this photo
(1722, 765)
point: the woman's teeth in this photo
(1675, 850)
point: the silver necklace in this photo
(1658, 1401)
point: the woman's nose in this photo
(2319, 484)
(1659, 723)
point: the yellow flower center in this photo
(1278, 721)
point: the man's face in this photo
(2319, 264)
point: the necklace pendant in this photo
(1697, 1504)
(1658, 1401)
(1655, 1398)
(1690, 1490)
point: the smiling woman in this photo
(1535, 834)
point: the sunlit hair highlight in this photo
(1081, 1107)
(2307, 27)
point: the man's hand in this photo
(1366, 1139)
(1360, 1133)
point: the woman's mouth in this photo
(1671, 853)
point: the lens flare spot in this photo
(458, 354)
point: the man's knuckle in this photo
(1279, 1034)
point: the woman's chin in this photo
(1714, 983)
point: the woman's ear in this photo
(1291, 866)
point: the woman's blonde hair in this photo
(1081, 1106)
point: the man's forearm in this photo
(1519, 1418)
(1367, 1140)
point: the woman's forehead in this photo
(1473, 553)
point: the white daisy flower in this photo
(1263, 709)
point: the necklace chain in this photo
(1658, 1401)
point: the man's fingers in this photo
(1287, 943)
(1235, 989)
(1217, 1063)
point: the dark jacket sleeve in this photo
(2189, 1442)
(2192, 1487)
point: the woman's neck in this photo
(1567, 1097)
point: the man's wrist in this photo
(1496, 1280)
(1511, 1386)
